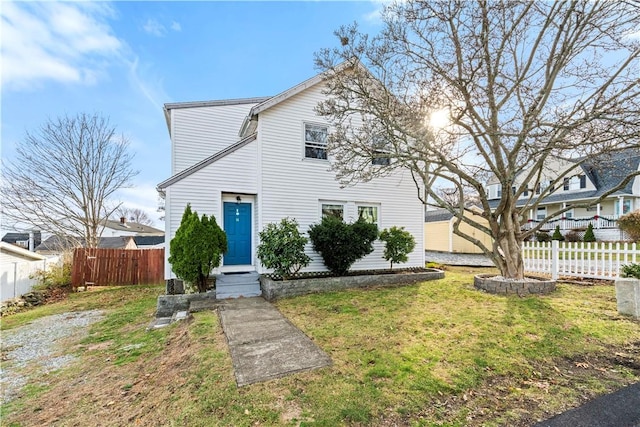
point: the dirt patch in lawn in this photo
(552, 388)
(101, 393)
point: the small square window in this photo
(368, 213)
(380, 151)
(334, 210)
(315, 141)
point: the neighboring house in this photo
(125, 228)
(591, 180)
(57, 245)
(10, 253)
(22, 239)
(439, 235)
(149, 242)
(17, 269)
(251, 162)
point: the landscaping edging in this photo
(538, 285)
(168, 304)
(275, 289)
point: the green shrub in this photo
(630, 223)
(631, 270)
(56, 276)
(572, 236)
(282, 248)
(557, 235)
(543, 236)
(197, 248)
(341, 244)
(398, 244)
(589, 235)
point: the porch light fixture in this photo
(238, 199)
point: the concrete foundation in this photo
(628, 296)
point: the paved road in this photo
(619, 409)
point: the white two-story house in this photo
(582, 186)
(251, 162)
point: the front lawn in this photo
(437, 353)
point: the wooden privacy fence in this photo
(104, 267)
(599, 260)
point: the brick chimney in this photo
(123, 221)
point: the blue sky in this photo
(126, 59)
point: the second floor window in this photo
(315, 141)
(380, 151)
(575, 183)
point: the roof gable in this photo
(249, 125)
(206, 162)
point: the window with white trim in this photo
(315, 141)
(332, 209)
(369, 213)
(541, 214)
(569, 213)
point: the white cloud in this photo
(154, 28)
(64, 42)
(157, 29)
(375, 16)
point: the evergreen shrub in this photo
(282, 248)
(341, 244)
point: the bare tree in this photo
(133, 214)
(63, 175)
(523, 87)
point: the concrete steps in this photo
(238, 285)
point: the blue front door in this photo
(237, 225)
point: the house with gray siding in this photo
(254, 161)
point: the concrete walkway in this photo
(264, 345)
(619, 409)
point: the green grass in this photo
(436, 353)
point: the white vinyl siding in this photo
(200, 132)
(294, 187)
(204, 189)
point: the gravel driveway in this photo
(34, 349)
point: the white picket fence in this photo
(598, 260)
(16, 277)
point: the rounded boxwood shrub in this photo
(282, 248)
(341, 244)
(543, 236)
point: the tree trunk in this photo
(509, 245)
(202, 283)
